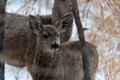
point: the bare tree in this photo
(86, 65)
(2, 17)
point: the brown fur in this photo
(69, 64)
(25, 48)
(60, 8)
(17, 36)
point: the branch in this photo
(78, 22)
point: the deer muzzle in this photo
(55, 43)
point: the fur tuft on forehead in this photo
(52, 30)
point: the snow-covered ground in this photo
(104, 32)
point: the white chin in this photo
(53, 49)
(48, 50)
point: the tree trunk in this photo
(86, 65)
(78, 22)
(2, 20)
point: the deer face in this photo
(48, 36)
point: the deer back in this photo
(19, 40)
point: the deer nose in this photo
(55, 45)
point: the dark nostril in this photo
(55, 46)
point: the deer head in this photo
(48, 36)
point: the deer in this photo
(65, 59)
(38, 48)
(60, 8)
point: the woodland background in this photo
(101, 17)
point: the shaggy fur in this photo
(25, 48)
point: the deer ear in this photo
(35, 24)
(65, 22)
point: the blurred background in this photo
(101, 17)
